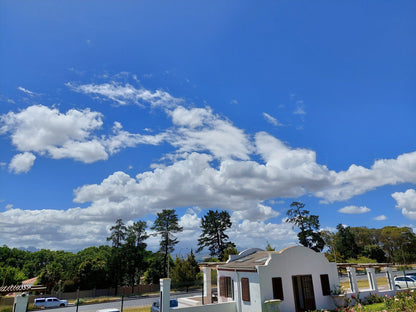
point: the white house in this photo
(297, 278)
(293, 279)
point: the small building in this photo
(296, 279)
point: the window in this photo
(277, 288)
(225, 287)
(245, 289)
(326, 289)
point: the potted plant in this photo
(338, 294)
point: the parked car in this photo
(156, 305)
(405, 282)
(50, 302)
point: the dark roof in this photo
(247, 262)
(20, 288)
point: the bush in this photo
(373, 298)
(79, 301)
(404, 301)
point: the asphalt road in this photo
(127, 303)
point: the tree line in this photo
(127, 262)
(390, 244)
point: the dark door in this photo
(303, 291)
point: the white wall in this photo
(255, 298)
(219, 307)
(292, 261)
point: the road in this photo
(127, 303)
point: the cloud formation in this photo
(354, 209)
(51, 133)
(21, 163)
(210, 164)
(126, 94)
(406, 201)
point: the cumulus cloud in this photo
(212, 164)
(359, 180)
(380, 218)
(406, 201)
(21, 163)
(354, 209)
(51, 133)
(199, 130)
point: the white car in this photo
(50, 302)
(405, 282)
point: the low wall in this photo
(364, 294)
(108, 292)
(216, 307)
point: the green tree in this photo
(269, 247)
(118, 234)
(155, 270)
(50, 275)
(166, 225)
(185, 272)
(345, 243)
(134, 251)
(309, 235)
(117, 237)
(230, 250)
(213, 225)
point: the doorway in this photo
(303, 293)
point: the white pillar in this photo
(20, 302)
(371, 275)
(164, 295)
(353, 279)
(207, 283)
(390, 279)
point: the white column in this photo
(207, 283)
(371, 275)
(390, 279)
(164, 295)
(353, 279)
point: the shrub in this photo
(373, 298)
(404, 301)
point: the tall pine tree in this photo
(166, 224)
(309, 235)
(213, 225)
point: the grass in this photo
(362, 284)
(141, 309)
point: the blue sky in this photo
(118, 109)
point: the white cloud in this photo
(299, 111)
(38, 128)
(213, 164)
(359, 180)
(127, 94)
(48, 132)
(26, 91)
(406, 202)
(251, 234)
(21, 163)
(380, 218)
(270, 119)
(202, 131)
(354, 209)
